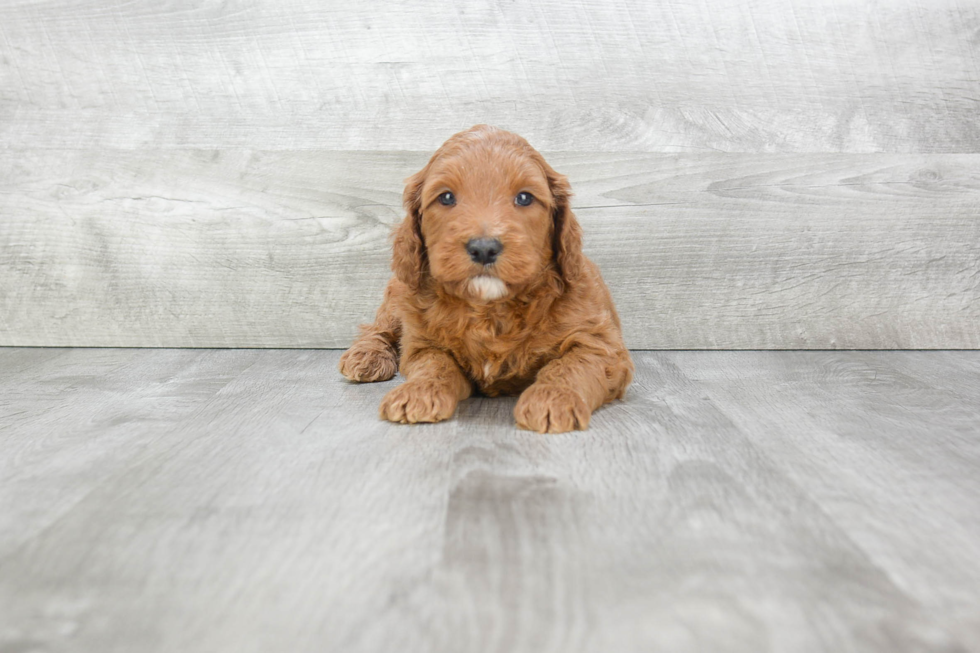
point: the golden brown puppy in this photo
(491, 289)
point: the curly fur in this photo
(538, 322)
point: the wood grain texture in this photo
(243, 501)
(864, 450)
(245, 248)
(765, 76)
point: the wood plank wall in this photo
(767, 174)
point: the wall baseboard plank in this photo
(240, 248)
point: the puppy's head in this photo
(487, 216)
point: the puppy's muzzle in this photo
(484, 250)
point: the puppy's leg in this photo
(569, 388)
(434, 386)
(374, 354)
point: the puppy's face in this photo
(485, 211)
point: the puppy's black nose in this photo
(484, 250)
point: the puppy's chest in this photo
(497, 353)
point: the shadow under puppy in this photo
(491, 289)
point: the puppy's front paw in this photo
(419, 401)
(369, 359)
(551, 409)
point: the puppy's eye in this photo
(447, 199)
(523, 199)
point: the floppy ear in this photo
(408, 259)
(566, 244)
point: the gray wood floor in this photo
(249, 500)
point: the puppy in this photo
(491, 290)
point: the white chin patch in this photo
(487, 288)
